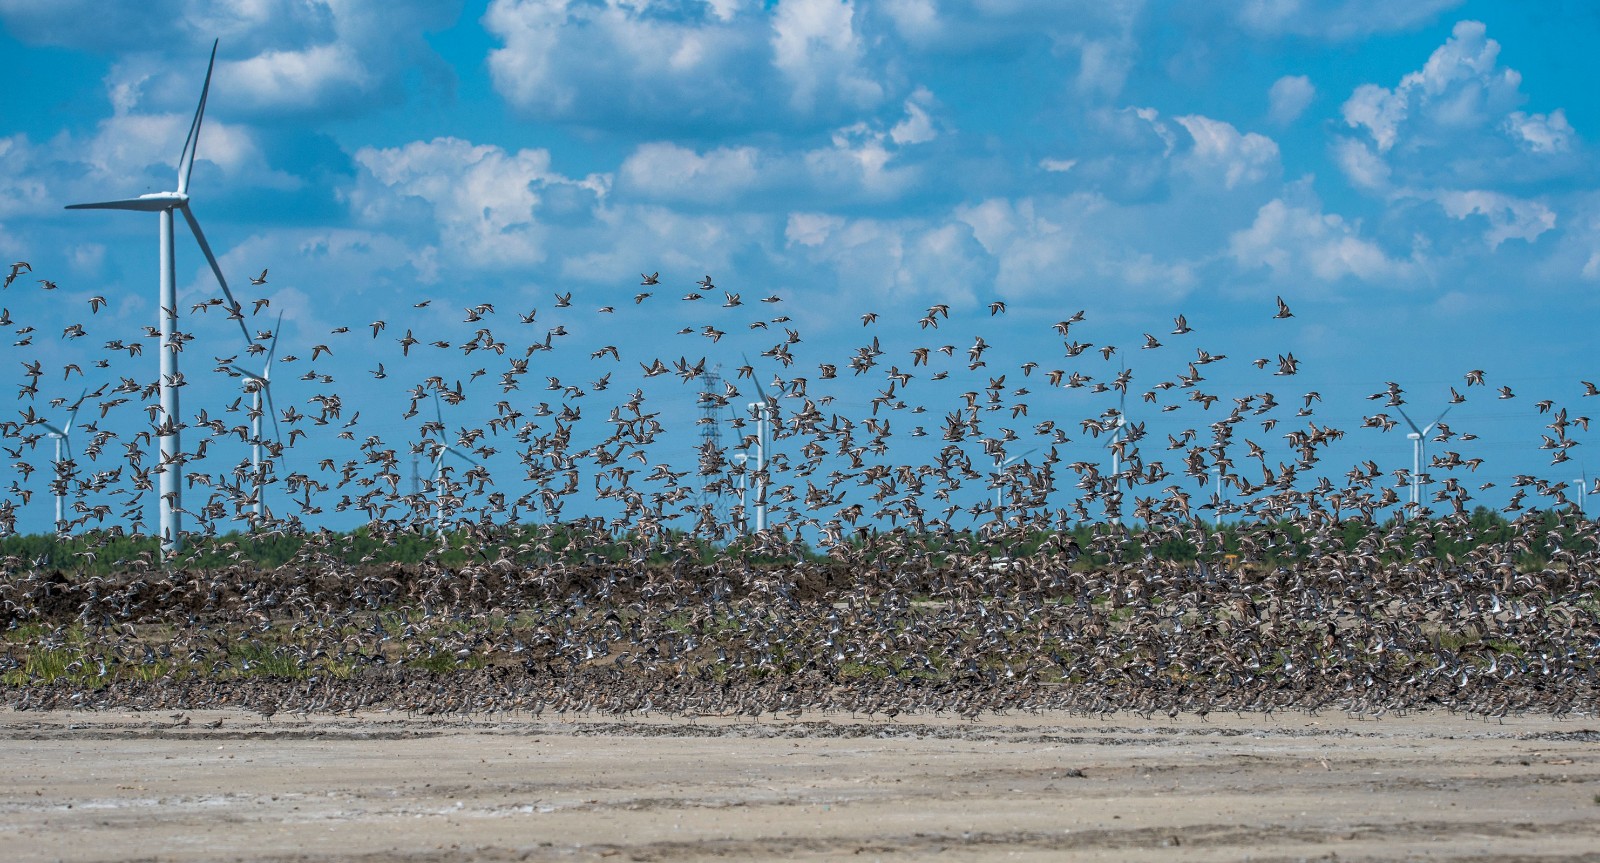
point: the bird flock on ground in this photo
(887, 529)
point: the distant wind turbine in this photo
(763, 414)
(1217, 519)
(163, 203)
(1000, 465)
(1418, 445)
(438, 468)
(62, 435)
(1115, 444)
(260, 386)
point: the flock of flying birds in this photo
(894, 523)
(934, 437)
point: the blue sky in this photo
(1416, 179)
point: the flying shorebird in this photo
(1283, 310)
(261, 279)
(18, 267)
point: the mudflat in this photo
(101, 786)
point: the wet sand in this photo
(100, 786)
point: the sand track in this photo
(132, 786)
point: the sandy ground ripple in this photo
(1433, 786)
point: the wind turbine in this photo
(1217, 519)
(763, 412)
(438, 469)
(744, 485)
(999, 472)
(1115, 444)
(1418, 444)
(261, 385)
(163, 204)
(63, 438)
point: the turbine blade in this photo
(1436, 420)
(760, 393)
(72, 415)
(200, 236)
(1408, 420)
(273, 351)
(460, 454)
(272, 409)
(192, 143)
(151, 204)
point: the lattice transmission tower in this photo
(709, 447)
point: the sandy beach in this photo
(102, 786)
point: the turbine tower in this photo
(163, 203)
(763, 413)
(1115, 444)
(438, 469)
(63, 438)
(1217, 519)
(260, 385)
(1418, 445)
(742, 524)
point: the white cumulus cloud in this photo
(1508, 217)
(666, 171)
(1288, 98)
(1296, 240)
(1457, 122)
(1541, 133)
(817, 49)
(1221, 152)
(485, 203)
(666, 66)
